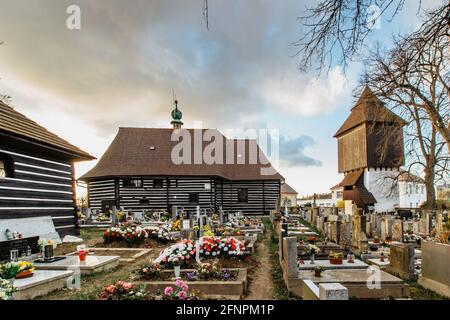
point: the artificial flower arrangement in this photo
(6, 289)
(176, 226)
(179, 292)
(135, 234)
(318, 271)
(232, 246)
(208, 247)
(311, 239)
(312, 249)
(207, 232)
(212, 271)
(165, 216)
(162, 235)
(178, 254)
(9, 270)
(102, 218)
(149, 271)
(227, 231)
(125, 232)
(335, 257)
(122, 291)
(26, 270)
(18, 270)
(215, 246)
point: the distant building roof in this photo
(148, 152)
(15, 123)
(368, 108)
(285, 188)
(409, 177)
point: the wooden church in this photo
(138, 173)
(37, 172)
(370, 154)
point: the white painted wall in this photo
(319, 202)
(381, 183)
(412, 194)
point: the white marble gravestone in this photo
(30, 227)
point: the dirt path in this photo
(261, 288)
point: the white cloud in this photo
(319, 95)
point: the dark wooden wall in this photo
(262, 195)
(40, 186)
(371, 145)
(352, 150)
(385, 143)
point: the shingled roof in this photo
(13, 122)
(368, 108)
(285, 188)
(147, 152)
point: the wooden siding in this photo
(385, 142)
(262, 195)
(352, 150)
(40, 186)
(99, 191)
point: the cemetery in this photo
(169, 232)
(208, 253)
(372, 256)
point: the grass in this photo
(420, 293)
(280, 291)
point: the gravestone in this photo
(221, 220)
(42, 227)
(397, 231)
(24, 247)
(401, 260)
(378, 226)
(360, 240)
(174, 213)
(338, 228)
(439, 222)
(426, 222)
(138, 216)
(114, 220)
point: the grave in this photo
(132, 254)
(93, 264)
(41, 283)
(436, 267)
(361, 283)
(210, 288)
(42, 227)
(397, 230)
(378, 263)
(358, 264)
(401, 259)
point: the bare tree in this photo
(414, 83)
(339, 28)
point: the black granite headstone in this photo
(22, 245)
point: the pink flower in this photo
(120, 283)
(184, 287)
(168, 291)
(182, 295)
(127, 286)
(111, 288)
(179, 283)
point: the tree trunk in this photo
(429, 186)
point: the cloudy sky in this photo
(121, 68)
